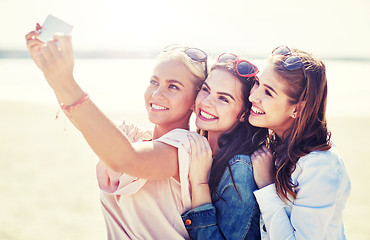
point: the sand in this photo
(48, 185)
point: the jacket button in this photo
(188, 222)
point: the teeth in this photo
(206, 115)
(155, 106)
(257, 110)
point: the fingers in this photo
(34, 33)
(46, 53)
(65, 42)
(192, 145)
(31, 38)
(205, 145)
(199, 145)
(31, 35)
(38, 26)
(202, 143)
(263, 151)
(33, 42)
(53, 48)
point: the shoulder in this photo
(134, 132)
(239, 176)
(177, 138)
(240, 168)
(240, 161)
(322, 168)
(328, 161)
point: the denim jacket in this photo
(231, 216)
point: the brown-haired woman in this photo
(303, 184)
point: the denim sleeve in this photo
(232, 216)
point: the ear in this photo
(242, 117)
(298, 109)
(294, 114)
(192, 107)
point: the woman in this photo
(303, 185)
(226, 207)
(143, 175)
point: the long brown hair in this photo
(243, 138)
(309, 131)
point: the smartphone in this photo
(53, 25)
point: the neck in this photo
(213, 141)
(160, 130)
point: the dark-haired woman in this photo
(303, 184)
(223, 205)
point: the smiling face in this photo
(169, 98)
(219, 103)
(270, 104)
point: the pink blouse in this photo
(136, 208)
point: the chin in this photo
(199, 124)
(254, 123)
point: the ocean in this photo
(119, 84)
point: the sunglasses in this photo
(243, 67)
(195, 54)
(291, 62)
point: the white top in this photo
(316, 213)
(136, 208)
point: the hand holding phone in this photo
(53, 25)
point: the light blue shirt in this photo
(317, 211)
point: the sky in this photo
(327, 28)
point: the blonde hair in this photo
(196, 68)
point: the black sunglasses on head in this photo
(195, 54)
(291, 62)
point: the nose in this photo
(207, 102)
(254, 94)
(158, 93)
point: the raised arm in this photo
(151, 160)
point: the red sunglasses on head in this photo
(243, 67)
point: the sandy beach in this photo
(48, 185)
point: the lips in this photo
(256, 110)
(205, 116)
(157, 107)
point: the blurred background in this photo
(330, 29)
(47, 171)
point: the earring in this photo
(293, 115)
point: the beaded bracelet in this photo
(79, 102)
(68, 108)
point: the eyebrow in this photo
(271, 88)
(175, 81)
(170, 80)
(222, 93)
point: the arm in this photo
(149, 160)
(232, 216)
(314, 206)
(201, 162)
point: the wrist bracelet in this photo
(80, 101)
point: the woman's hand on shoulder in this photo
(201, 159)
(263, 167)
